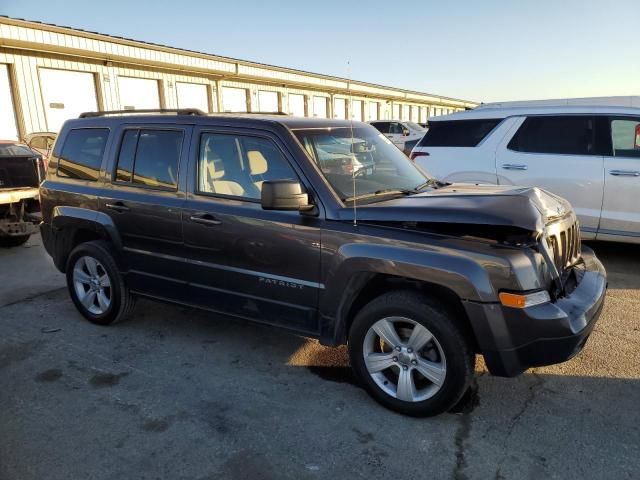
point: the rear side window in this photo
(150, 158)
(568, 135)
(458, 133)
(625, 137)
(82, 153)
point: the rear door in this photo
(243, 260)
(561, 154)
(144, 199)
(621, 208)
(461, 150)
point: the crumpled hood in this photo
(529, 208)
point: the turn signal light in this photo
(517, 300)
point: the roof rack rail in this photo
(176, 111)
(250, 113)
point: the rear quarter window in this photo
(564, 135)
(458, 133)
(82, 153)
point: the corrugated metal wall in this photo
(29, 47)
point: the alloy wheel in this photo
(92, 285)
(404, 359)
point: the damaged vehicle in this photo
(21, 171)
(249, 216)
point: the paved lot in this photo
(176, 393)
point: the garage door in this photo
(268, 101)
(66, 95)
(234, 99)
(192, 95)
(340, 108)
(8, 128)
(320, 107)
(138, 93)
(415, 115)
(356, 110)
(373, 111)
(405, 112)
(423, 115)
(296, 104)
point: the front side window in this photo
(378, 166)
(237, 165)
(566, 135)
(82, 153)
(150, 158)
(625, 137)
(458, 133)
(383, 127)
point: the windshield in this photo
(375, 163)
(15, 150)
(415, 126)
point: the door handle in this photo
(514, 166)
(204, 219)
(624, 173)
(118, 207)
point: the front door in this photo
(396, 134)
(620, 208)
(243, 260)
(560, 154)
(145, 203)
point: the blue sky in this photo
(478, 50)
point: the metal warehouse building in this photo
(50, 73)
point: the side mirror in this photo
(284, 195)
(405, 132)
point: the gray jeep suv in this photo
(324, 228)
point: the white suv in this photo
(589, 155)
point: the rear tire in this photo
(410, 354)
(13, 241)
(95, 284)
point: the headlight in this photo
(520, 300)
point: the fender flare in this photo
(66, 221)
(360, 262)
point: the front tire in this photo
(410, 354)
(95, 284)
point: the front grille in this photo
(564, 242)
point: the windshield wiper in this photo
(384, 191)
(432, 182)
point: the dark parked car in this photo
(240, 215)
(21, 170)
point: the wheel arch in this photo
(449, 279)
(72, 226)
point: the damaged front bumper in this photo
(16, 221)
(545, 334)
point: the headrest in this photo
(257, 162)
